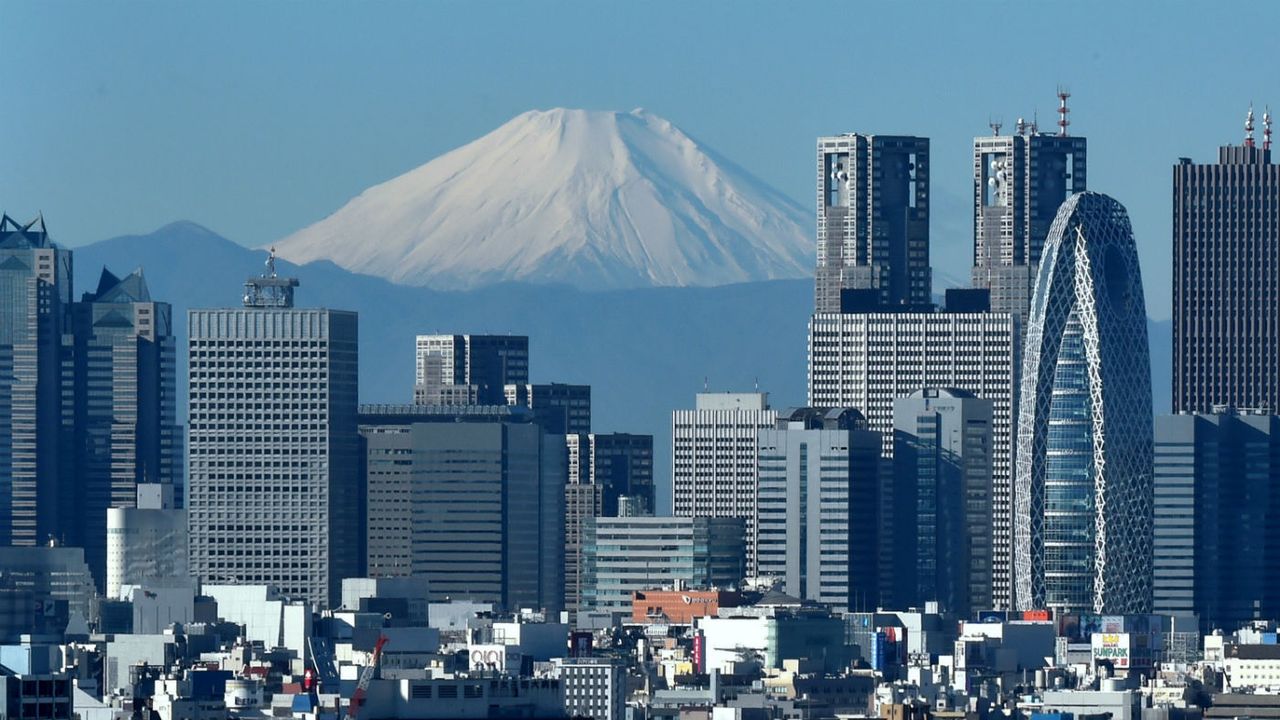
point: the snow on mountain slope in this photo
(597, 200)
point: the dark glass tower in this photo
(873, 219)
(125, 431)
(35, 294)
(1226, 280)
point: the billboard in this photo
(491, 657)
(1112, 648)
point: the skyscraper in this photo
(471, 498)
(1217, 490)
(942, 464)
(867, 360)
(1226, 279)
(713, 456)
(275, 492)
(123, 405)
(561, 408)
(1019, 181)
(469, 369)
(873, 218)
(35, 294)
(610, 475)
(1083, 538)
(816, 512)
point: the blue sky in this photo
(258, 118)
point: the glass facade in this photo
(1068, 485)
(1083, 480)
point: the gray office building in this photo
(123, 406)
(624, 555)
(873, 219)
(868, 360)
(943, 464)
(1019, 181)
(609, 475)
(816, 510)
(468, 369)
(561, 408)
(274, 463)
(470, 498)
(1217, 491)
(36, 499)
(713, 458)
(1226, 280)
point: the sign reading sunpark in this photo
(1111, 647)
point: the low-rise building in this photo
(594, 688)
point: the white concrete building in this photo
(147, 542)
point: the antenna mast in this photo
(1248, 127)
(1266, 128)
(1063, 122)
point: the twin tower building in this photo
(1052, 335)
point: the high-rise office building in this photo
(621, 556)
(275, 494)
(1217, 490)
(713, 458)
(470, 498)
(1083, 538)
(561, 408)
(816, 510)
(122, 409)
(1226, 280)
(1019, 181)
(36, 497)
(943, 464)
(610, 475)
(469, 369)
(873, 218)
(869, 359)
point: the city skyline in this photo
(589, 416)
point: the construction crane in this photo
(357, 697)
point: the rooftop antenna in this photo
(1063, 122)
(269, 290)
(1248, 127)
(1021, 127)
(705, 384)
(995, 125)
(1035, 121)
(1266, 127)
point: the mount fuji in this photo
(592, 199)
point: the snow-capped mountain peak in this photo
(589, 198)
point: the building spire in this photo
(1248, 127)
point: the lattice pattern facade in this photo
(1086, 351)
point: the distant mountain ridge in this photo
(645, 352)
(593, 199)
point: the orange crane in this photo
(357, 697)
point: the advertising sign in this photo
(1112, 648)
(488, 657)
